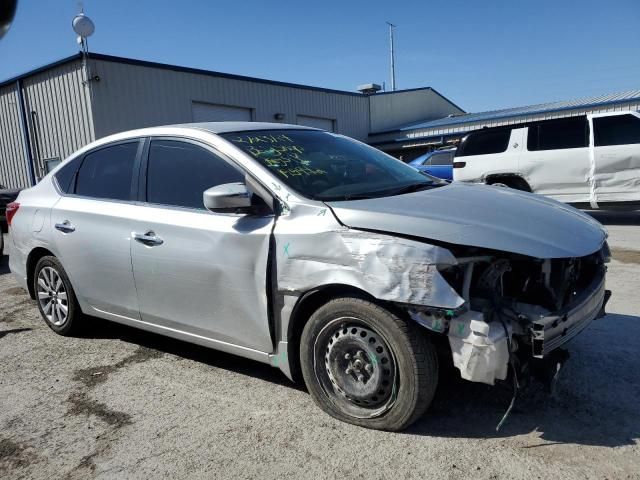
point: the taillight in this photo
(12, 209)
(459, 164)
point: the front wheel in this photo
(365, 365)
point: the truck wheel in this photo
(366, 366)
(55, 296)
(516, 183)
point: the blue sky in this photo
(480, 54)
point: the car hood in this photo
(480, 216)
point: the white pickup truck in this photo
(590, 160)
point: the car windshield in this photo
(323, 166)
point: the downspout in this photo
(24, 127)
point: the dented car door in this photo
(616, 158)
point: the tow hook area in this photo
(547, 370)
(607, 296)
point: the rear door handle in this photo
(65, 227)
(149, 239)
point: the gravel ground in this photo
(118, 403)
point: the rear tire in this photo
(516, 183)
(55, 297)
(365, 365)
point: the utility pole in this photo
(393, 67)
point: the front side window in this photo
(324, 166)
(616, 130)
(179, 172)
(484, 142)
(107, 173)
(558, 134)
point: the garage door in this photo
(210, 112)
(316, 122)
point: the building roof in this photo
(492, 115)
(177, 68)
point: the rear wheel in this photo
(364, 365)
(55, 296)
(514, 182)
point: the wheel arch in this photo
(511, 179)
(308, 303)
(32, 260)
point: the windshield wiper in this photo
(414, 187)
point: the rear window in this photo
(484, 142)
(442, 158)
(67, 174)
(107, 173)
(616, 130)
(558, 134)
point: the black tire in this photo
(52, 315)
(516, 183)
(386, 342)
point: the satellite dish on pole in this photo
(83, 26)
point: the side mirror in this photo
(228, 197)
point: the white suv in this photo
(589, 160)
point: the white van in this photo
(588, 160)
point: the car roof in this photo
(226, 127)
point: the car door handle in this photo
(65, 227)
(149, 239)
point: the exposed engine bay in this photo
(517, 308)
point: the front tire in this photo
(367, 366)
(55, 296)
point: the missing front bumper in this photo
(550, 331)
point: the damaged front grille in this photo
(546, 302)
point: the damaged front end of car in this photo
(518, 310)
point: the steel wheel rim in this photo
(356, 368)
(52, 296)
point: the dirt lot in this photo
(120, 403)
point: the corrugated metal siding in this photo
(610, 101)
(467, 127)
(13, 170)
(134, 96)
(455, 127)
(63, 121)
(388, 110)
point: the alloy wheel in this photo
(52, 296)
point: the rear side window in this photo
(67, 174)
(484, 142)
(442, 159)
(179, 172)
(107, 173)
(558, 134)
(616, 130)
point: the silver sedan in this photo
(312, 252)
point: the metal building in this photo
(48, 113)
(427, 134)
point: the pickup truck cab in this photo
(588, 160)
